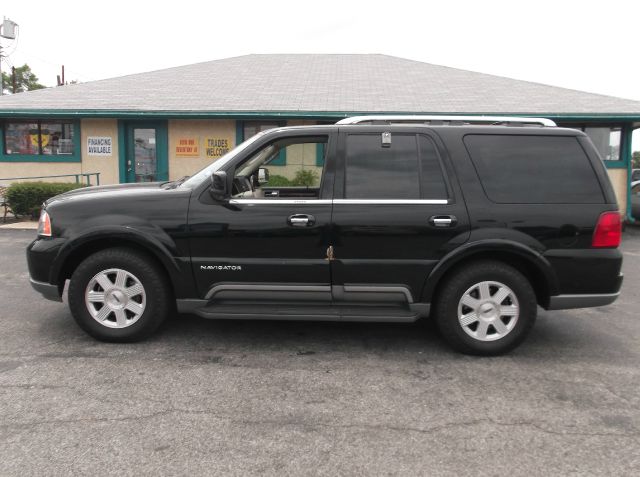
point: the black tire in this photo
(459, 283)
(157, 294)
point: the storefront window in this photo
(39, 138)
(57, 138)
(606, 140)
(21, 138)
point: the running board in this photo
(305, 312)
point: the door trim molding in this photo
(263, 291)
(372, 293)
(245, 289)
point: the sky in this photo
(585, 45)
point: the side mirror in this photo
(218, 189)
(263, 175)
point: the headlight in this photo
(44, 224)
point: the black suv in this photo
(474, 224)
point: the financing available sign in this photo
(99, 145)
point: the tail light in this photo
(608, 232)
(44, 224)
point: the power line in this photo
(79, 74)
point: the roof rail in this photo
(448, 120)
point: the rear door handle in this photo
(301, 220)
(443, 220)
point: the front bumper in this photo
(47, 290)
(41, 255)
(566, 302)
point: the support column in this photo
(625, 155)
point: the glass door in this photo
(145, 161)
(146, 152)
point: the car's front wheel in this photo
(486, 308)
(119, 295)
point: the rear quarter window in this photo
(518, 169)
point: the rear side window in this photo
(431, 177)
(534, 169)
(407, 169)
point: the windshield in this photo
(205, 173)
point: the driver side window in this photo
(284, 169)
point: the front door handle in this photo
(443, 220)
(301, 220)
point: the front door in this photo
(146, 158)
(269, 243)
(397, 212)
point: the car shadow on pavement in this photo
(305, 335)
(555, 335)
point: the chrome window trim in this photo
(281, 201)
(392, 201)
(340, 201)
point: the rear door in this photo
(397, 211)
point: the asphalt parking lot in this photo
(212, 397)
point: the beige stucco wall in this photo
(619, 181)
(199, 130)
(107, 166)
(33, 169)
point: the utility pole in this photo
(13, 79)
(60, 81)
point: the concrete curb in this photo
(29, 225)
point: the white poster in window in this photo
(99, 145)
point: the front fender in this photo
(500, 248)
(146, 235)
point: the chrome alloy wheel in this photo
(115, 298)
(488, 311)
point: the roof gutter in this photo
(132, 114)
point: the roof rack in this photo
(449, 120)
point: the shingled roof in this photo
(317, 83)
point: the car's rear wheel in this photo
(486, 308)
(119, 295)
